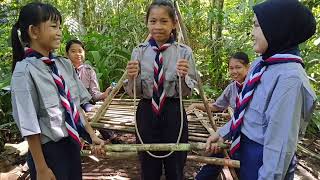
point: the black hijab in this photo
(285, 24)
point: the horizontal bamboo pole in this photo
(215, 161)
(129, 124)
(308, 152)
(113, 127)
(113, 155)
(134, 155)
(158, 147)
(197, 139)
(116, 100)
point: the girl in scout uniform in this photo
(238, 69)
(276, 101)
(155, 66)
(76, 53)
(46, 96)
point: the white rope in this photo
(181, 113)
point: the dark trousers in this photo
(251, 158)
(62, 157)
(211, 172)
(162, 129)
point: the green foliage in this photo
(110, 40)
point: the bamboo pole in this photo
(197, 139)
(182, 26)
(121, 123)
(215, 161)
(203, 97)
(206, 125)
(158, 147)
(308, 152)
(113, 127)
(134, 155)
(113, 155)
(102, 110)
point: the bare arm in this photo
(36, 151)
(201, 107)
(43, 171)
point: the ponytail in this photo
(174, 34)
(17, 47)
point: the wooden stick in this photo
(207, 126)
(157, 147)
(199, 82)
(102, 110)
(308, 152)
(113, 155)
(113, 127)
(107, 121)
(182, 26)
(197, 139)
(215, 161)
(134, 154)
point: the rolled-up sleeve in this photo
(223, 100)
(224, 131)
(283, 114)
(24, 101)
(128, 83)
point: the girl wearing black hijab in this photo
(276, 101)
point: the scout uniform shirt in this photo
(88, 77)
(36, 103)
(144, 82)
(228, 97)
(280, 109)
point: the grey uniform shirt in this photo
(89, 79)
(228, 97)
(277, 114)
(144, 82)
(35, 99)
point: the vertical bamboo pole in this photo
(202, 94)
(200, 86)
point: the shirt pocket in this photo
(256, 108)
(52, 113)
(74, 90)
(146, 85)
(171, 85)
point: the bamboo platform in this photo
(120, 118)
